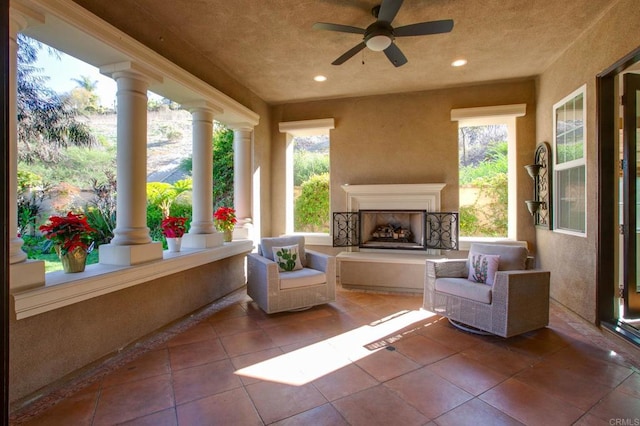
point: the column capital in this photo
(242, 127)
(129, 69)
(202, 106)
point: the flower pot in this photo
(228, 236)
(174, 244)
(74, 260)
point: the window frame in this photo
(574, 164)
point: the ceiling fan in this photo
(380, 35)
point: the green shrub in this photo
(307, 164)
(311, 210)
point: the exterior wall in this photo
(46, 347)
(571, 259)
(404, 138)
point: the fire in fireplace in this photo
(393, 229)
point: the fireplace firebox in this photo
(393, 229)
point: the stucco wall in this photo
(46, 347)
(571, 259)
(404, 138)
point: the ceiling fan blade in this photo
(395, 55)
(349, 54)
(337, 27)
(388, 10)
(424, 28)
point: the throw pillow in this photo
(483, 267)
(287, 258)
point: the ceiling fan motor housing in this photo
(378, 36)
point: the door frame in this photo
(606, 126)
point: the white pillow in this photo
(483, 267)
(287, 258)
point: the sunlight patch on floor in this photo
(311, 362)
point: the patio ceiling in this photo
(270, 47)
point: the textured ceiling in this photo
(270, 47)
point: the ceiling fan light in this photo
(378, 43)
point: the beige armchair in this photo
(276, 291)
(516, 302)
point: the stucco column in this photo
(131, 243)
(202, 233)
(242, 181)
(23, 273)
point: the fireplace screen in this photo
(396, 229)
(392, 229)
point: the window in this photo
(483, 165)
(500, 120)
(570, 165)
(307, 176)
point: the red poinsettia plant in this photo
(69, 232)
(174, 227)
(225, 218)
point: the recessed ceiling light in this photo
(459, 62)
(320, 78)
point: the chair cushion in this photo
(512, 258)
(462, 287)
(301, 278)
(483, 267)
(287, 258)
(266, 244)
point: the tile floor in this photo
(366, 359)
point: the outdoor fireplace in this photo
(395, 216)
(392, 229)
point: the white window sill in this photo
(315, 238)
(465, 242)
(65, 289)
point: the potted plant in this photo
(71, 236)
(173, 228)
(225, 221)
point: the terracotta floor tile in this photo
(476, 412)
(151, 364)
(529, 405)
(428, 392)
(343, 382)
(378, 406)
(609, 374)
(190, 355)
(166, 417)
(332, 368)
(325, 415)
(291, 333)
(617, 405)
(228, 408)
(247, 342)
(129, 401)
(228, 326)
(197, 333)
(566, 385)
(77, 410)
(276, 401)
(423, 350)
(247, 360)
(468, 374)
(204, 380)
(631, 386)
(384, 365)
(502, 359)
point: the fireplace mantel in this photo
(419, 196)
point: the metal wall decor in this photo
(540, 172)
